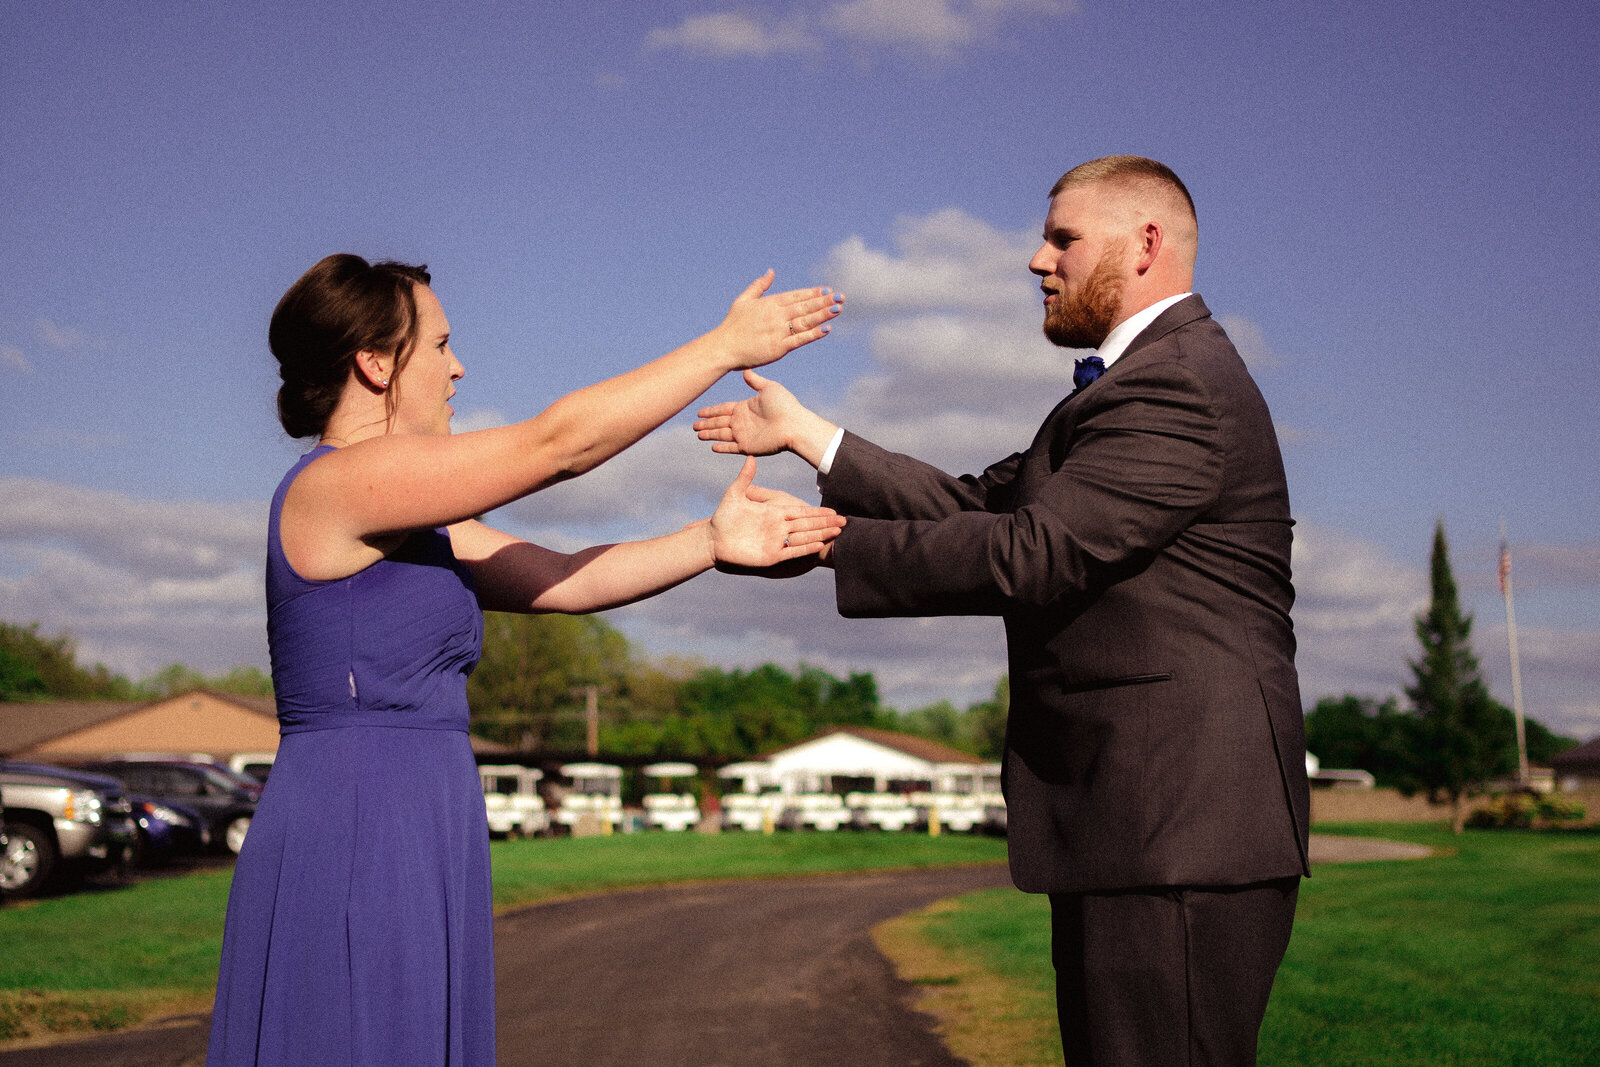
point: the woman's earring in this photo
(383, 382)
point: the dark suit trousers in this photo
(1180, 977)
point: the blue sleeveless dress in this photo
(360, 923)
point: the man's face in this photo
(1081, 264)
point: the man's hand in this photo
(771, 421)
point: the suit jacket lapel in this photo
(1185, 311)
(1050, 437)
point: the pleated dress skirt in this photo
(360, 925)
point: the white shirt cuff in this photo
(833, 449)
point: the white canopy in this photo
(671, 770)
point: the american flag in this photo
(1505, 566)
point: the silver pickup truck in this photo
(59, 825)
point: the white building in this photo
(864, 777)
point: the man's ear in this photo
(372, 368)
(1147, 246)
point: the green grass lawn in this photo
(107, 957)
(1488, 953)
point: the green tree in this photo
(1362, 733)
(176, 678)
(1542, 743)
(19, 678)
(940, 722)
(980, 729)
(523, 691)
(985, 723)
(1462, 736)
(43, 668)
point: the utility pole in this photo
(591, 715)
(1516, 666)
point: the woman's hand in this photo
(757, 527)
(761, 329)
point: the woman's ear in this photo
(372, 367)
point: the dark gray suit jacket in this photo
(1139, 554)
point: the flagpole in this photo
(1516, 666)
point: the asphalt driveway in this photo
(727, 974)
(781, 971)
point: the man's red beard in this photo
(1086, 319)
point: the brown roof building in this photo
(200, 722)
(1578, 768)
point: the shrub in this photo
(1527, 810)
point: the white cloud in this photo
(939, 28)
(740, 621)
(723, 35)
(932, 26)
(154, 538)
(65, 338)
(477, 419)
(11, 356)
(1353, 614)
(143, 583)
(945, 260)
(1248, 338)
(1540, 566)
(139, 583)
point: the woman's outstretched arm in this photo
(511, 574)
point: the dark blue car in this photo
(167, 830)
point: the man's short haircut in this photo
(1123, 170)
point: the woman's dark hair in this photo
(339, 307)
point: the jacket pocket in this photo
(1114, 683)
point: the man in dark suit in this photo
(1138, 550)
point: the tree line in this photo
(531, 690)
(35, 667)
(539, 675)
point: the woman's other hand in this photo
(758, 527)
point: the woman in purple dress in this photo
(359, 924)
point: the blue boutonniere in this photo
(1086, 370)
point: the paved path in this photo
(734, 973)
(720, 975)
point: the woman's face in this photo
(427, 381)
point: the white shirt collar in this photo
(1123, 333)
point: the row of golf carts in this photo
(963, 798)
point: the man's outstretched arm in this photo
(872, 482)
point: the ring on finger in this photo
(790, 324)
(786, 542)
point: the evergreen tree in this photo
(1461, 735)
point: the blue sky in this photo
(1397, 202)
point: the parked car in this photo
(255, 765)
(60, 825)
(227, 801)
(166, 830)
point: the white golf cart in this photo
(666, 809)
(511, 799)
(593, 801)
